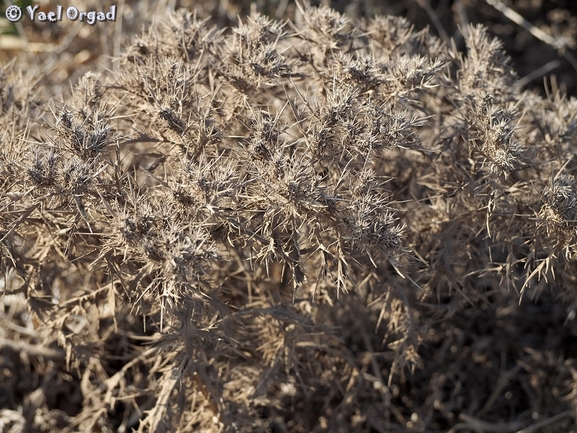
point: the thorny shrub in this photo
(287, 227)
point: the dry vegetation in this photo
(301, 226)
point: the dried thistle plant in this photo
(177, 235)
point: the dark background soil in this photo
(557, 18)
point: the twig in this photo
(559, 44)
(543, 70)
(518, 19)
(547, 421)
(502, 382)
(478, 425)
(34, 350)
(435, 19)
